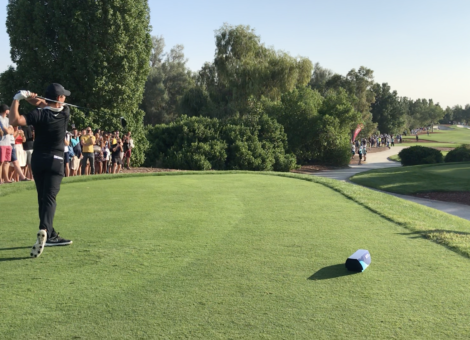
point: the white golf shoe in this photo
(38, 247)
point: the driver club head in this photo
(123, 122)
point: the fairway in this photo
(218, 256)
(455, 135)
(453, 171)
(419, 178)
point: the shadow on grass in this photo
(14, 248)
(444, 238)
(435, 232)
(15, 259)
(331, 272)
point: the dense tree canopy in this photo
(97, 49)
(168, 80)
(243, 70)
(388, 110)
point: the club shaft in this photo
(55, 101)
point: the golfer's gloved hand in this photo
(22, 94)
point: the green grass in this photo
(231, 255)
(420, 178)
(397, 158)
(456, 136)
(431, 145)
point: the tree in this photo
(320, 78)
(358, 84)
(388, 111)
(448, 116)
(244, 69)
(297, 112)
(168, 80)
(98, 49)
(461, 114)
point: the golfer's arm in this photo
(37, 102)
(15, 118)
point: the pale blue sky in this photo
(420, 47)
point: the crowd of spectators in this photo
(360, 147)
(86, 152)
(89, 152)
(16, 146)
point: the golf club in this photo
(123, 120)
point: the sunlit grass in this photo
(232, 255)
(419, 178)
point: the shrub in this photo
(460, 154)
(202, 143)
(416, 155)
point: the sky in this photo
(419, 47)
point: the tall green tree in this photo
(320, 78)
(98, 49)
(461, 114)
(358, 84)
(249, 68)
(245, 70)
(297, 112)
(168, 80)
(388, 110)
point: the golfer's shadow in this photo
(331, 272)
(14, 248)
(14, 258)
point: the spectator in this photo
(97, 149)
(67, 154)
(106, 153)
(88, 141)
(5, 145)
(116, 156)
(28, 149)
(18, 156)
(360, 154)
(77, 152)
(128, 146)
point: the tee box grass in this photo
(231, 255)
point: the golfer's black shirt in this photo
(49, 128)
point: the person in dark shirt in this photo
(116, 150)
(50, 121)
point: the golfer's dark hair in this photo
(3, 108)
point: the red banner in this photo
(358, 129)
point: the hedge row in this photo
(416, 155)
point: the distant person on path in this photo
(417, 138)
(360, 154)
(353, 150)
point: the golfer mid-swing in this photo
(50, 122)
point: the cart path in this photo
(380, 160)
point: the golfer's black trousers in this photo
(48, 171)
